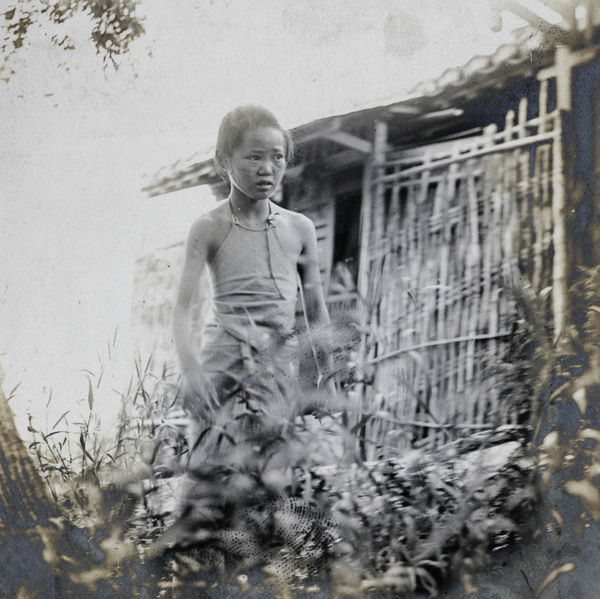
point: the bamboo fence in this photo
(447, 230)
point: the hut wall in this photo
(156, 279)
(450, 229)
(312, 195)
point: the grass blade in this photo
(90, 394)
(58, 421)
(85, 451)
(100, 377)
(12, 393)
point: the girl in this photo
(255, 252)
(259, 257)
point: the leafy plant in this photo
(114, 26)
(403, 523)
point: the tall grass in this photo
(303, 498)
(79, 455)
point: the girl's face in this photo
(257, 165)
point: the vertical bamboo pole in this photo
(412, 378)
(522, 130)
(508, 126)
(525, 216)
(487, 237)
(365, 239)
(440, 208)
(543, 106)
(394, 318)
(510, 217)
(564, 81)
(474, 284)
(546, 151)
(537, 222)
(371, 170)
(431, 264)
(462, 274)
(496, 265)
(452, 280)
(403, 307)
(560, 303)
(559, 234)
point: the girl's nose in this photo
(265, 167)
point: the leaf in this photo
(12, 393)
(55, 433)
(199, 439)
(58, 421)
(90, 394)
(100, 378)
(49, 398)
(149, 363)
(85, 451)
(553, 575)
(586, 490)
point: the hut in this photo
(431, 209)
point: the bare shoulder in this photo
(210, 229)
(297, 222)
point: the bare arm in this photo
(195, 262)
(316, 308)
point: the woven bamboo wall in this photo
(449, 228)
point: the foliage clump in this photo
(115, 24)
(402, 523)
(414, 521)
(301, 505)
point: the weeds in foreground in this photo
(79, 458)
(402, 523)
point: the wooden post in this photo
(543, 106)
(371, 169)
(563, 64)
(371, 166)
(563, 77)
(560, 303)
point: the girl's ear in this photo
(223, 163)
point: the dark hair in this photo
(233, 127)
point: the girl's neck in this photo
(250, 210)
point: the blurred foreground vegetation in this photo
(303, 514)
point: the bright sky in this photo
(76, 146)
